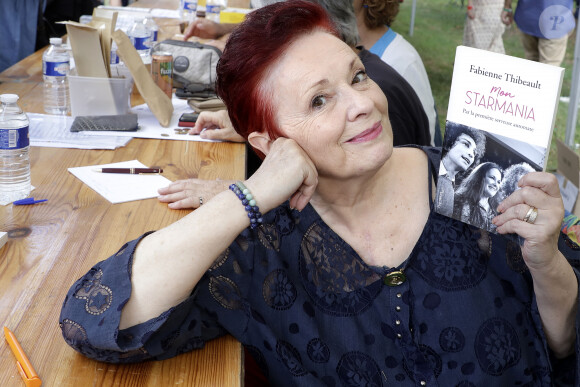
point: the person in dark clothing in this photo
(61, 10)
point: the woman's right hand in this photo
(215, 126)
(286, 173)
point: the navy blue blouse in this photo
(460, 311)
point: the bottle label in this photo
(190, 5)
(141, 43)
(215, 9)
(154, 35)
(14, 138)
(55, 69)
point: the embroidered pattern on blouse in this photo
(269, 237)
(278, 290)
(290, 357)
(220, 260)
(74, 334)
(333, 275)
(446, 261)
(284, 221)
(358, 369)
(98, 297)
(318, 351)
(225, 292)
(425, 361)
(497, 346)
(452, 339)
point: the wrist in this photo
(469, 7)
(508, 10)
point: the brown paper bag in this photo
(159, 103)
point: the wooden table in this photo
(52, 244)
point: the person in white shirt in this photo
(374, 18)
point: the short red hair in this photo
(257, 43)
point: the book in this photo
(500, 121)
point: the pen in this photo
(130, 171)
(27, 201)
(28, 374)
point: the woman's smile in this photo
(368, 135)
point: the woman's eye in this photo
(318, 101)
(359, 77)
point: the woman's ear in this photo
(260, 141)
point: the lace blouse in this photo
(460, 311)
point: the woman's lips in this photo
(368, 135)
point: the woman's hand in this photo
(555, 284)
(286, 173)
(216, 126)
(191, 193)
(538, 190)
(203, 28)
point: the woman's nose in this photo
(359, 104)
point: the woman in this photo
(352, 279)
(474, 197)
(483, 25)
(374, 18)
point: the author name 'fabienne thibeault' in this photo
(498, 99)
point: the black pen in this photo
(130, 171)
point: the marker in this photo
(28, 373)
(27, 201)
(130, 171)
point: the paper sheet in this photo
(120, 188)
(149, 127)
(54, 131)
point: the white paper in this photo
(120, 188)
(54, 131)
(149, 126)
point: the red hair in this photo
(257, 43)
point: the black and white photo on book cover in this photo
(499, 126)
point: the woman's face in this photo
(491, 182)
(462, 154)
(324, 100)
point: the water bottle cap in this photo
(55, 41)
(8, 98)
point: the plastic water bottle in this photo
(140, 36)
(188, 10)
(152, 26)
(55, 68)
(14, 144)
(212, 10)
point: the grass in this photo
(438, 30)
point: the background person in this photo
(339, 283)
(374, 19)
(483, 25)
(544, 26)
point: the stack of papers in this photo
(54, 131)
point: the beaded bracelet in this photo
(249, 203)
(508, 10)
(469, 7)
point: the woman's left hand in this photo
(538, 190)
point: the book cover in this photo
(499, 126)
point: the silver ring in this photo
(531, 215)
(200, 201)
